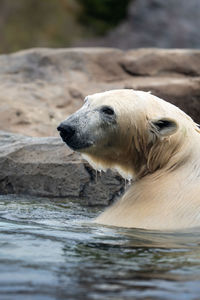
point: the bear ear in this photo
(163, 127)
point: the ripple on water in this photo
(51, 250)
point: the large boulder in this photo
(41, 87)
(45, 167)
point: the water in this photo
(49, 249)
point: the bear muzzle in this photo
(71, 136)
(66, 131)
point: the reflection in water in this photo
(50, 250)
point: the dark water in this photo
(50, 250)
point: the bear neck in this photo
(158, 159)
(167, 199)
(164, 156)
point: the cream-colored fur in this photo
(165, 166)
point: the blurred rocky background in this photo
(112, 23)
(155, 23)
(56, 23)
(66, 57)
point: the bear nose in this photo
(66, 131)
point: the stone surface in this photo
(162, 62)
(45, 167)
(41, 87)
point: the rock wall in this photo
(41, 87)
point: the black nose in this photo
(66, 131)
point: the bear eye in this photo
(107, 110)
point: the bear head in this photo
(132, 131)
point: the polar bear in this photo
(149, 140)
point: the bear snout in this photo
(70, 134)
(66, 131)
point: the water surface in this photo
(49, 249)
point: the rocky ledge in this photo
(45, 167)
(41, 87)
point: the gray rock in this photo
(45, 167)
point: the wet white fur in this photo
(165, 194)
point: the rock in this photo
(161, 62)
(41, 87)
(45, 167)
(173, 75)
